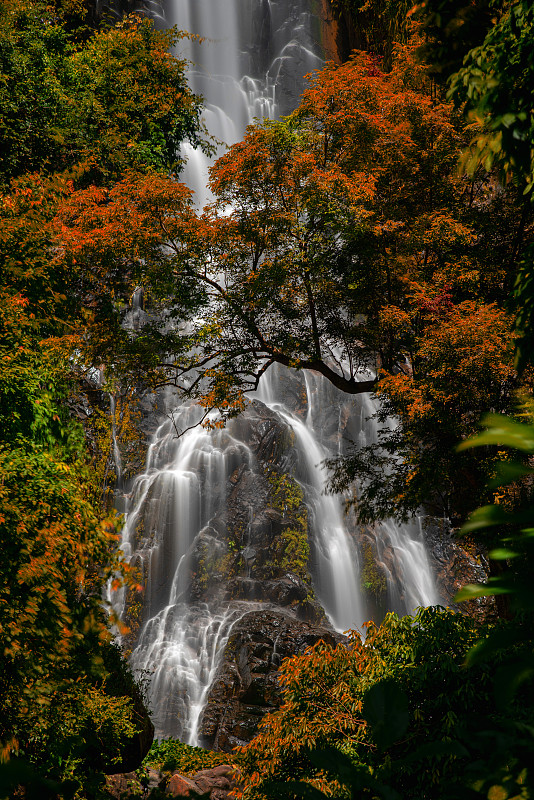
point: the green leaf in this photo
(432, 750)
(473, 590)
(502, 431)
(496, 642)
(510, 677)
(489, 516)
(502, 554)
(509, 472)
(385, 707)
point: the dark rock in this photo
(120, 682)
(136, 748)
(457, 561)
(122, 784)
(246, 686)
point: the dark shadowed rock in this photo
(246, 686)
(457, 561)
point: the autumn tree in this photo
(78, 107)
(400, 706)
(303, 206)
(342, 240)
(58, 693)
(491, 80)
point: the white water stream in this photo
(251, 64)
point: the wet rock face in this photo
(255, 547)
(246, 685)
(457, 561)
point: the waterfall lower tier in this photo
(225, 521)
(179, 650)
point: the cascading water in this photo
(400, 548)
(200, 558)
(337, 571)
(249, 65)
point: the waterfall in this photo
(199, 549)
(336, 578)
(336, 419)
(250, 64)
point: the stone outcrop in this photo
(246, 685)
(457, 561)
(260, 555)
(207, 784)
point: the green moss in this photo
(291, 551)
(372, 578)
(295, 549)
(210, 563)
(287, 494)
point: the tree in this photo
(58, 555)
(303, 207)
(375, 27)
(494, 86)
(93, 105)
(409, 718)
(77, 108)
(341, 240)
(462, 362)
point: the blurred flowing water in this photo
(250, 64)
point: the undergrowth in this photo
(169, 755)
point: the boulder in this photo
(215, 783)
(246, 685)
(457, 561)
(180, 786)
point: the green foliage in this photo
(398, 715)
(453, 28)
(101, 104)
(171, 754)
(60, 711)
(77, 107)
(372, 578)
(287, 495)
(291, 551)
(511, 526)
(491, 75)
(484, 697)
(496, 84)
(377, 25)
(378, 702)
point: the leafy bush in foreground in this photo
(401, 707)
(171, 754)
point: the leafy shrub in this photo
(401, 707)
(171, 754)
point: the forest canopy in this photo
(78, 107)
(344, 239)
